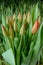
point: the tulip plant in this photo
(22, 38)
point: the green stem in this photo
(18, 52)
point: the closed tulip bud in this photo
(28, 17)
(5, 32)
(14, 16)
(24, 17)
(35, 27)
(11, 20)
(20, 17)
(15, 26)
(39, 19)
(7, 20)
(11, 31)
(22, 30)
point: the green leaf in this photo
(37, 48)
(34, 51)
(16, 40)
(3, 19)
(9, 56)
(30, 28)
(35, 12)
(9, 11)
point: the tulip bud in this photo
(24, 17)
(35, 27)
(22, 30)
(15, 26)
(11, 21)
(39, 19)
(7, 20)
(14, 16)
(28, 17)
(20, 17)
(5, 32)
(11, 31)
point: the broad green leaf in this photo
(9, 56)
(35, 12)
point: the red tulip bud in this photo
(35, 27)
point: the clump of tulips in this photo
(13, 24)
(22, 38)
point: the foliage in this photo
(21, 50)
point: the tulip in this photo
(28, 17)
(22, 30)
(35, 27)
(7, 21)
(24, 17)
(15, 26)
(11, 31)
(14, 16)
(5, 32)
(20, 17)
(11, 20)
